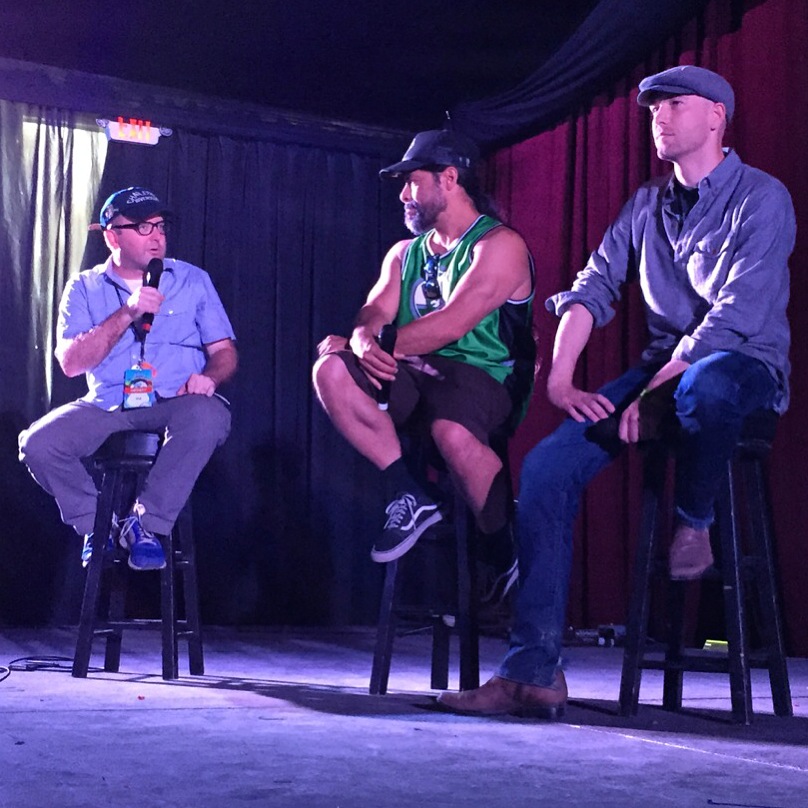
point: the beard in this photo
(422, 216)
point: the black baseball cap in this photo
(135, 203)
(435, 147)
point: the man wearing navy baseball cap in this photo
(460, 295)
(709, 245)
(154, 343)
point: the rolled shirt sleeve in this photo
(716, 281)
(597, 286)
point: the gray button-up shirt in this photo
(717, 281)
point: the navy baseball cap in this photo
(435, 147)
(135, 203)
(688, 80)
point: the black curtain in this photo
(613, 38)
(293, 235)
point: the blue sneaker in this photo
(145, 550)
(87, 549)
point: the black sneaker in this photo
(498, 569)
(494, 586)
(407, 519)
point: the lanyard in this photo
(140, 334)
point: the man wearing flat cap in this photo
(709, 246)
(460, 295)
(154, 343)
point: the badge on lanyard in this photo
(138, 386)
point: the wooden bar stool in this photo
(444, 615)
(744, 547)
(444, 562)
(123, 463)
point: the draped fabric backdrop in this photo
(563, 187)
(292, 232)
(291, 221)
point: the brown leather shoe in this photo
(500, 696)
(690, 553)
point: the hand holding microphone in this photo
(151, 277)
(387, 342)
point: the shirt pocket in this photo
(708, 264)
(176, 323)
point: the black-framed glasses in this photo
(431, 286)
(143, 228)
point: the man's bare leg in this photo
(354, 413)
(410, 512)
(473, 465)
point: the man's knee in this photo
(709, 392)
(209, 416)
(329, 374)
(451, 437)
(35, 443)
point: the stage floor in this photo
(283, 718)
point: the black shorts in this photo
(430, 388)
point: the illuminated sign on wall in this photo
(133, 130)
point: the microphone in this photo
(387, 342)
(151, 277)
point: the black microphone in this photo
(151, 277)
(387, 342)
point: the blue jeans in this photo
(713, 398)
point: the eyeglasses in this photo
(431, 286)
(143, 228)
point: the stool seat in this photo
(745, 561)
(123, 462)
(127, 447)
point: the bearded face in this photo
(424, 200)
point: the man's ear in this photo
(720, 113)
(449, 177)
(111, 239)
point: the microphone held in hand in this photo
(151, 277)
(387, 342)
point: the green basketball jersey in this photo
(502, 342)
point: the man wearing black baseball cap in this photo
(460, 295)
(709, 244)
(152, 338)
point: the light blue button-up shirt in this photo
(190, 317)
(717, 281)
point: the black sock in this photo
(398, 480)
(498, 548)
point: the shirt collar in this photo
(113, 277)
(713, 182)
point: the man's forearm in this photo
(87, 350)
(372, 318)
(428, 334)
(571, 339)
(221, 365)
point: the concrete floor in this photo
(283, 718)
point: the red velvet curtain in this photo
(563, 187)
